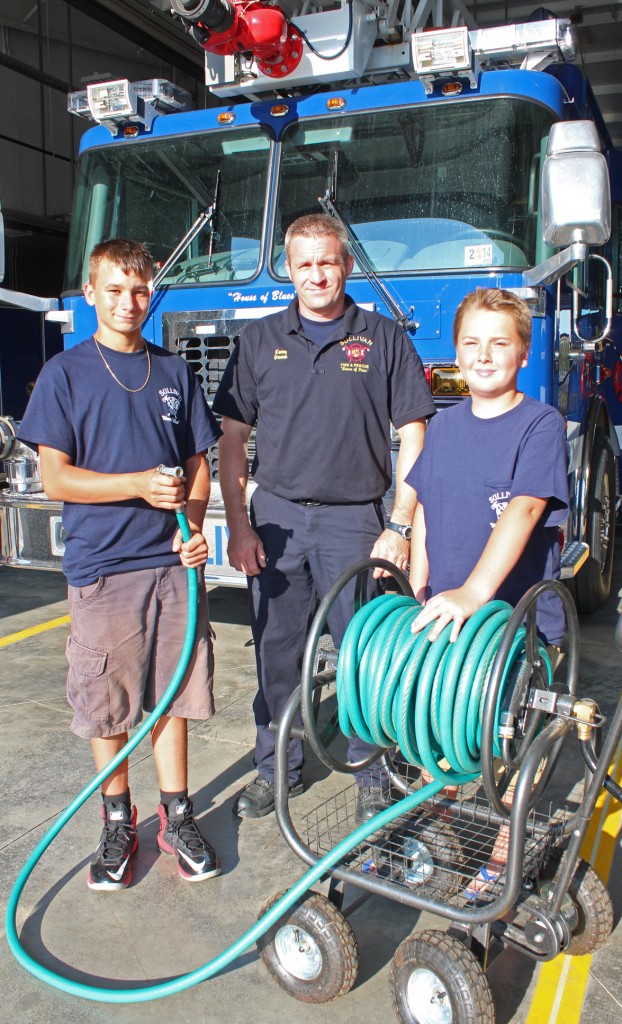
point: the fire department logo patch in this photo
(498, 503)
(171, 399)
(356, 349)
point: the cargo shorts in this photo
(127, 633)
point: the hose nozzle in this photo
(175, 471)
(191, 10)
(213, 15)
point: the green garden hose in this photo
(396, 688)
(393, 687)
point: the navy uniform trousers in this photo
(307, 547)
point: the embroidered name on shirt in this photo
(355, 347)
(280, 353)
(171, 399)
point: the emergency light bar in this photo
(119, 103)
(441, 52)
(529, 45)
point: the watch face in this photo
(404, 531)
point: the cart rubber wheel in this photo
(433, 858)
(435, 979)
(311, 951)
(593, 902)
(591, 587)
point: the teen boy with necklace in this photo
(104, 414)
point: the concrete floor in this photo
(161, 927)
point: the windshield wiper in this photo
(327, 203)
(205, 217)
(212, 230)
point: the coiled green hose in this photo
(396, 688)
(385, 676)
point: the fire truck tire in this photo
(435, 979)
(591, 587)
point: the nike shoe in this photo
(111, 865)
(179, 835)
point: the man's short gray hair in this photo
(318, 225)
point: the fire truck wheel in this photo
(591, 587)
(311, 951)
(435, 979)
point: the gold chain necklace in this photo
(132, 391)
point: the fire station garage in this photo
(460, 145)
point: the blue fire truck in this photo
(455, 157)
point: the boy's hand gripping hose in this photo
(393, 687)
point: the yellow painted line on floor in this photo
(23, 634)
(561, 987)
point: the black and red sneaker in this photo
(179, 835)
(111, 865)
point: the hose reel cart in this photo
(489, 713)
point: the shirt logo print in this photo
(280, 353)
(498, 503)
(171, 400)
(356, 349)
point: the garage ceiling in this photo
(148, 23)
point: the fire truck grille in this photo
(205, 339)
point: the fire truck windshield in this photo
(153, 192)
(449, 185)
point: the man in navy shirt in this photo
(104, 414)
(322, 382)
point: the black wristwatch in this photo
(404, 531)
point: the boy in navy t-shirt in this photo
(492, 489)
(103, 414)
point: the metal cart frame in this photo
(535, 905)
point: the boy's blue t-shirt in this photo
(468, 471)
(79, 409)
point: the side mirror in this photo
(576, 198)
